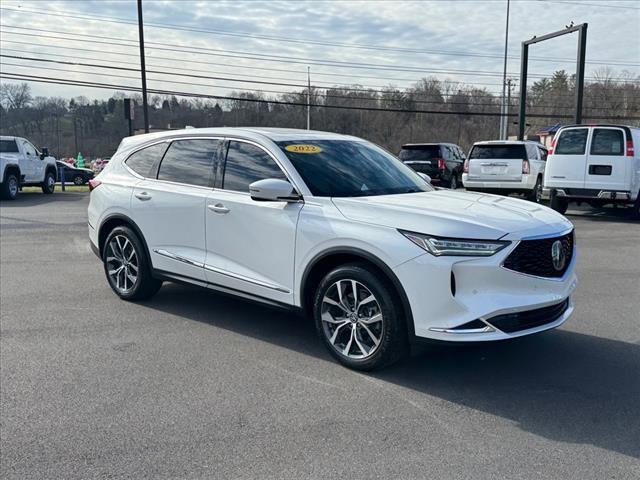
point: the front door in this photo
(31, 165)
(608, 168)
(250, 244)
(169, 206)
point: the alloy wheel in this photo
(13, 186)
(352, 319)
(122, 263)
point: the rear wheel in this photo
(635, 210)
(9, 188)
(357, 320)
(49, 184)
(78, 180)
(453, 184)
(536, 193)
(126, 266)
(559, 204)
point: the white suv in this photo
(597, 164)
(506, 167)
(336, 227)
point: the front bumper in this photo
(447, 293)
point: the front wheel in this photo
(49, 184)
(126, 266)
(357, 320)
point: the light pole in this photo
(503, 116)
(143, 70)
(308, 98)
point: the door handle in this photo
(143, 196)
(218, 208)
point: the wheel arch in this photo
(325, 261)
(117, 220)
(11, 167)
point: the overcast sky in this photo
(459, 41)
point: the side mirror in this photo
(44, 154)
(273, 190)
(425, 177)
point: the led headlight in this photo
(439, 246)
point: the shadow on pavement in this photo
(564, 386)
(31, 199)
(611, 214)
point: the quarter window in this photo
(143, 160)
(189, 162)
(246, 164)
(543, 154)
(607, 141)
(572, 142)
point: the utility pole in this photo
(510, 85)
(143, 70)
(503, 117)
(308, 98)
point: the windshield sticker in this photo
(303, 148)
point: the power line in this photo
(54, 80)
(62, 13)
(284, 59)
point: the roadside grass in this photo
(68, 188)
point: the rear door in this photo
(169, 207)
(566, 166)
(608, 167)
(497, 162)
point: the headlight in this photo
(439, 246)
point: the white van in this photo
(596, 164)
(506, 166)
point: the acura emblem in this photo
(557, 255)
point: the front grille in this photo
(536, 257)
(515, 322)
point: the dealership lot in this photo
(192, 384)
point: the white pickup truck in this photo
(21, 164)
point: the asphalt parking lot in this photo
(192, 384)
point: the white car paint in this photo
(263, 248)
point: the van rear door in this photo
(566, 166)
(497, 162)
(608, 167)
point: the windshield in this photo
(347, 168)
(501, 152)
(422, 152)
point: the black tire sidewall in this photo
(45, 185)
(394, 343)
(6, 191)
(146, 284)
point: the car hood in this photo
(458, 214)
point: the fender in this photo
(130, 223)
(374, 260)
(11, 165)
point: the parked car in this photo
(335, 227)
(79, 176)
(597, 164)
(505, 167)
(442, 162)
(22, 164)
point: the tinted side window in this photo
(142, 161)
(532, 152)
(543, 154)
(189, 161)
(246, 164)
(8, 146)
(607, 142)
(572, 142)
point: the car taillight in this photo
(553, 146)
(441, 164)
(94, 183)
(525, 166)
(630, 151)
(465, 166)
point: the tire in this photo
(536, 194)
(78, 180)
(635, 209)
(357, 341)
(10, 187)
(453, 183)
(126, 282)
(49, 184)
(559, 204)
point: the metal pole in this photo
(143, 70)
(503, 118)
(582, 48)
(308, 98)
(524, 64)
(506, 111)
